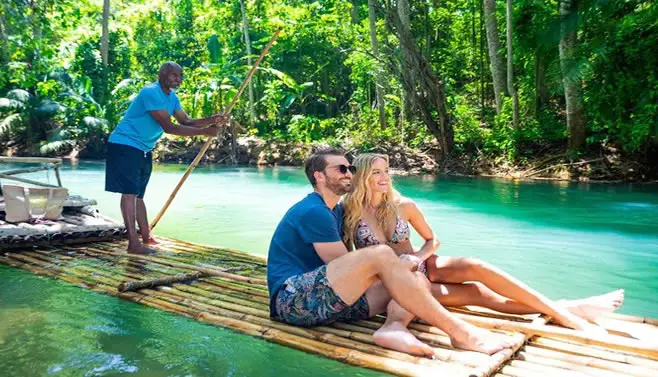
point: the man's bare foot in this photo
(591, 308)
(397, 337)
(139, 249)
(151, 240)
(481, 340)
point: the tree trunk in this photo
(404, 12)
(570, 77)
(482, 59)
(542, 95)
(426, 90)
(510, 68)
(497, 65)
(105, 36)
(354, 12)
(379, 87)
(4, 40)
(247, 42)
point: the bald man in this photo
(129, 148)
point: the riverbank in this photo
(604, 164)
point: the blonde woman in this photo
(376, 213)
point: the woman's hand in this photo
(411, 261)
(401, 247)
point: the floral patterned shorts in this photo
(308, 300)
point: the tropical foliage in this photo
(353, 72)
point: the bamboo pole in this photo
(180, 256)
(31, 160)
(200, 246)
(59, 179)
(507, 354)
(136, 285)
(593, 371)
(25, 180)
(605, 354)
(513, 371)
(205, 147)
(207, 270)
(532, 353)
(544, 370)
(615, 342)
(631, 318)
(28, 170)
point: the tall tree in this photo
(379, 85)
(354, 12)
(4, 40)
(510, 68)
(497, 64)
(247, 42)
(427, 91)
(105, 36)
(404, 10)
(570, 75)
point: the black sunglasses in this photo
(344, 168)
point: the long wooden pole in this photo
(205, 147)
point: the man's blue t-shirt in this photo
(138, 128)
(291, 249)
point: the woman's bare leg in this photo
(459, 270)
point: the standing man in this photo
(129, 157)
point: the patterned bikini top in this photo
(366, 237)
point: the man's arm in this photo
(328, 251)
(182, 117)
(162, 117)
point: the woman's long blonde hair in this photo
(355, 201)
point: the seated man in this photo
(313, 280)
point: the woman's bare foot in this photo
(566, 318)
(591, 308)
(481, 340)
(397, 337)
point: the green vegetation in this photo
(581, 74)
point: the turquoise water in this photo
(566, 240)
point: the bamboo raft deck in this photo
(227, 288)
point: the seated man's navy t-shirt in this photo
(291, 249)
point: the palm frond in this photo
(20, 95)
(94, 122)
(55, 146)
(8, 122)
(10, 104)
(123, 84)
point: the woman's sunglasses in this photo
(344, 168)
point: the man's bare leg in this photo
(144, 227)
(128, 212)
(394, 333)
(459, 270)
(351, 275)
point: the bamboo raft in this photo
(227, 288)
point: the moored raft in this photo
(228, 288)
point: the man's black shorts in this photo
(127, 170)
